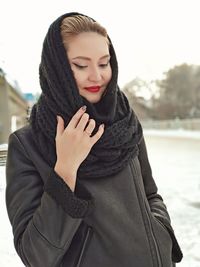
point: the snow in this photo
(8, 257)
(174, 158)
(3, 147)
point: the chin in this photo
(92, 99)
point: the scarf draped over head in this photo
(60, 96)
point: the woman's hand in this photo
(73, 144)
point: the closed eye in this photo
(104, 65)
(80, 66)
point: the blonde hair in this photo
(74, 25)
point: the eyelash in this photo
(104, 65)
(83, 67)
(79, 66)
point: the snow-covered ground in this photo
(8, 256)
(174, 157)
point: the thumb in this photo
(60, 125)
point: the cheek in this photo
(108, 75)
(79, 78)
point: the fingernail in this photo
(102, 125)
(84, 107)
(57, 118)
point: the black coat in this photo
(125, 224)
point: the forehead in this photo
(88, 44)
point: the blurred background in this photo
(157, 46)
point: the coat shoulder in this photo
(23, 131)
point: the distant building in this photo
(30, 98)
(13, 109)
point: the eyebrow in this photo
(87, 58)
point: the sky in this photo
(149, 37)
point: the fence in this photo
(186, 124)
(3, 154)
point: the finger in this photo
(83, 122)
(60, 126)
(98, 134)
(91, 126)
(75, 119)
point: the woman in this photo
(80, 191)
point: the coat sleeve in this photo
(44, 217)
(156, 203)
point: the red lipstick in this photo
(93, 89)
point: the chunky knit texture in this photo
(77, 205)
(60, 96)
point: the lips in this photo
(93, 89)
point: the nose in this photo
(95, 75)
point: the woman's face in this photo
(89, 57)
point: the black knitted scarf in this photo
(60, 96)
